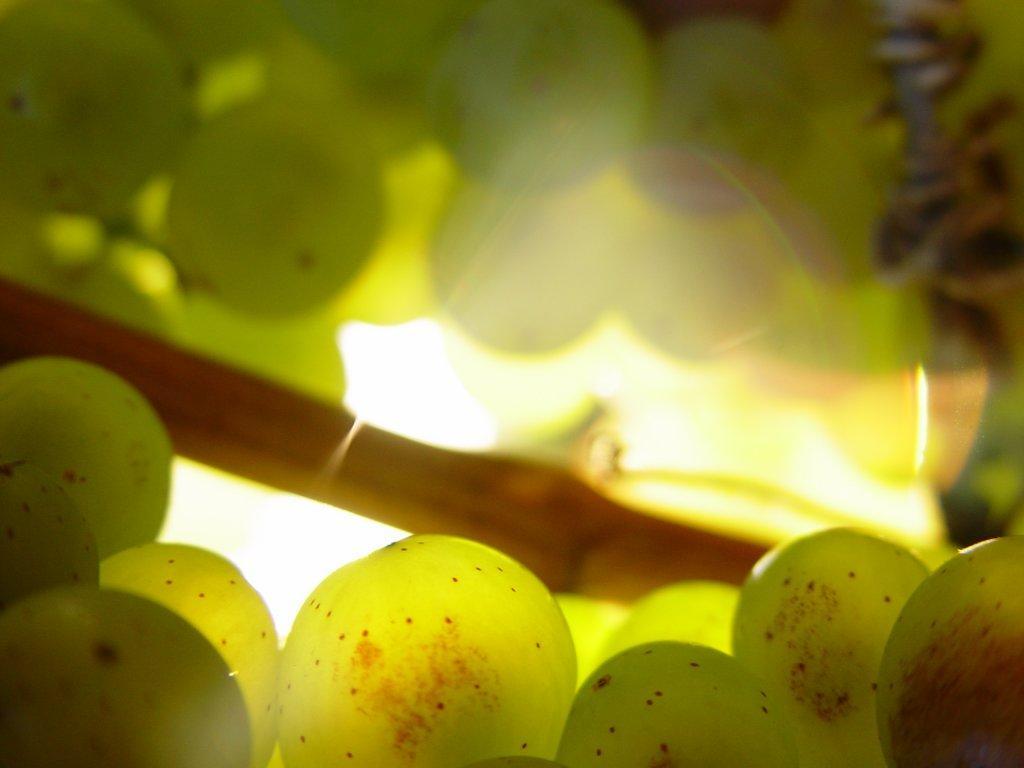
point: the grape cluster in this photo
(841, 649)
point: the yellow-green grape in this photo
(812, 620)
(44, 540)
(665, 704)
(94, 678)
(590, 622)
(91, 104)
(432, 652)
(726, 83)
(951, 680)
(383, 39)
(534, 92)
(212, 595)
(273, 212)
(516, 762)
(94, 435)
(699, 612)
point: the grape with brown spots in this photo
(812, 620)
(666, 704)
(96, 679)
(90, 104)
(430, 653)
(94, 435)
(274, 210)
(699, 612)
(44, 540)
(212, 595)
(951, 684)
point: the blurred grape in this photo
(590, 622)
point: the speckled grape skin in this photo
(95, 679)
(432, 652)
(516, 762)
(44, 540)
(212, 595)
(812, 620)
(95, 436)
(698, 612)
(668, 704)
(951, 683)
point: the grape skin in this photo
(515, 762)
(668, 703)
(812, 620)
(94, 678)
(953, 670)
(95, 436)
(91, 104)
(432, 652)
(212, 595)
(44, 540)
(591, 622)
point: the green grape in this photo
(516, 762)
(949, 688)
(668, 703)
(590, 623)
(44, 540)
(93, 679)
(272, 211)
(812, 620)
(699, 612)
(726, 83)
(533, 92)
(527, 274)
(387, 38)
(298, 352)
(212, 595)
(95, 436)
(432, 652)
(91, 104)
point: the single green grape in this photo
(949, 688)
(212, 595)
(95, 436)
(590, 622)
(812, 620)
(95, 678)
(44, 540)
(516, 762)
(726, 83)
(531, 93)
(394, 39)
(699, 612)
(272, 211)
(432, 652)
(92, 105)
(668, 703)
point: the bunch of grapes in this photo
(841, 649)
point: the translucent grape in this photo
(209, 592)
(726, 83)
(91, 104)
(532, 92)
(432, 652)
(590, 623)
(812, 620)
(95, 436)
(699, 612)
(44, 540)
(92, 679)
(515, 762)
(664, 704)
(949, 689)
(272, 211)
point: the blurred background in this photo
(632, 240)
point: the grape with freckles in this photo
(952, 676)
(432, 652)
(212, 595)
(812, 620)
(669, 703)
